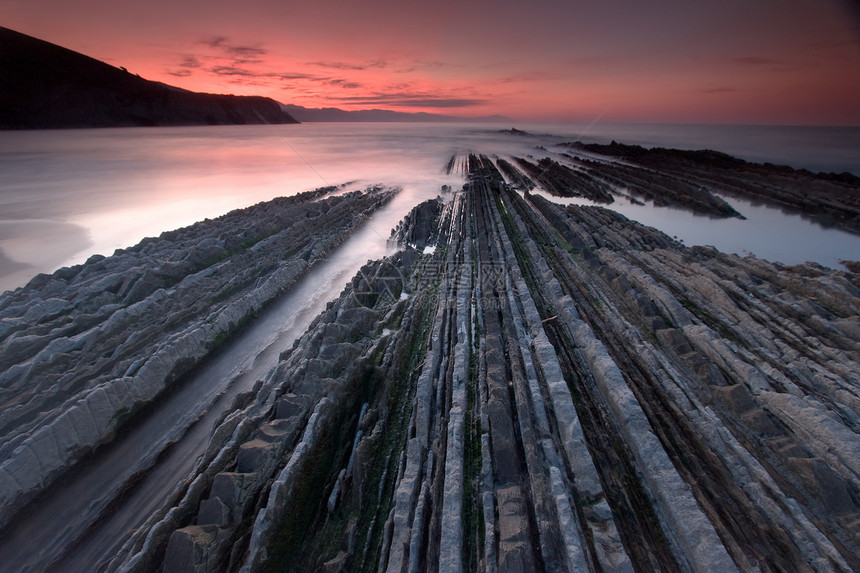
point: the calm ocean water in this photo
(828, 149)
(65, 195)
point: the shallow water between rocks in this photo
(68, 194)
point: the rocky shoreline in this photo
(518, 386)
(830, 199)
(84, 348)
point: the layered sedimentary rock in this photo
(550, 388)
(560, 180)
(690, 178)
(87, 348)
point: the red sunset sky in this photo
(684, 61)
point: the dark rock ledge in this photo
(691, 179)
(84, 349)
(551, 389)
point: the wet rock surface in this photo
(545, 388)
(552, 388)
(690, 178)
(86, 348)
(560, 180)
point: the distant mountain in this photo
(46, 86)
(334, 114)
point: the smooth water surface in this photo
(827, 149)
(68, 194)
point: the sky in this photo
(789, 62)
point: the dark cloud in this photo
(422, 64)
(214, 42)
(190, 62)
(345, 84)
(348, 66)
(245, 73)
(232, 71)
(296, 76)
(439, 102)
(240, 54)
(412, 100)
(246, 51)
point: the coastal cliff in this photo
(44, 86)
(519, 386)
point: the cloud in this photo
(190, 61)
(345, 84)
(240, 54)
(214, 41)
(186, 66)
(232, 71)
(295, 76)
(246, 73)
(422, 64)
(337, 82)
(222, 58)
(438, 102)
(349, 66)
(411, 100)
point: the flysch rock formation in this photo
(83, 350)
(689, 179)
(548, 389)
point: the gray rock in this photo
(190, 549)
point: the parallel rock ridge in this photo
(688, 178)
(550, 389)
(519, 386)
(85, 349)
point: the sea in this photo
(66, 195)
